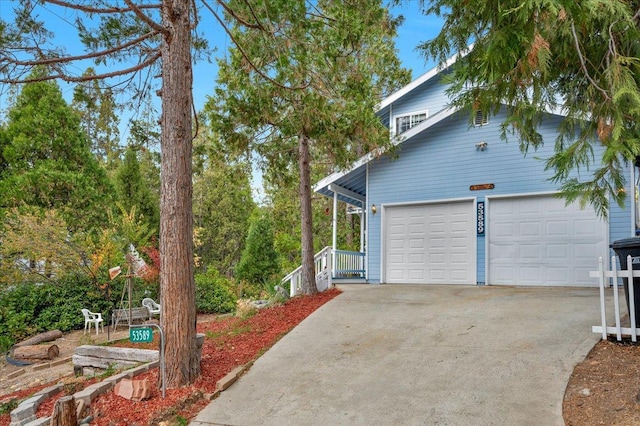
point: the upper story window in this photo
(405, 122)
(481, 118)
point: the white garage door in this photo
(539, 241)
(430, 244)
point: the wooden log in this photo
(36, 352)
(64, 412)
(47, 336)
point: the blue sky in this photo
(415, 29)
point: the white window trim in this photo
(411, 114)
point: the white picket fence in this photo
(609, 279)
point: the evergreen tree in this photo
(531, 57)
(133, 191)
(97, 109)
(222, 206)
(47, 160)
(307, 91)
(259, 261)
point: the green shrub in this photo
(214, 293)
(27, 309)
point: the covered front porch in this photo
(333, 264)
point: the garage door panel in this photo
(436, 276)
(540, 241)
(416, 274)
(557, 275)
(557, 251)
(444, 253)
(530, 252)
(557, 228)
(395, 274)
(529, 229)
(529, 274)
(586, 252)
(586, 228)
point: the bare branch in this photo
(70, 79)
(144, 18)
(68, 59)
(584, 65)
(89, 9)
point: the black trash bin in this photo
(624, 248)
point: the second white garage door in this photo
(539, 241)
(430, 244)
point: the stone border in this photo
(25, 413)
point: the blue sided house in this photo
(458, 205)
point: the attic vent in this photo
(481, 118)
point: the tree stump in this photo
(36, 352)
(64, 412)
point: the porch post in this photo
(362, 259)
(362, 228)
(335, 232)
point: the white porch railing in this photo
(348, 264)
(322, 261)
(610, 279)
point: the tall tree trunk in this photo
(178, 318)
(306, 217)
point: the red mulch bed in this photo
(229, 342)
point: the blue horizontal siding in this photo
(443, 162)
(429, 96)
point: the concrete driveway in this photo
(420, 355)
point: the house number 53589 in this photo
(480, 218)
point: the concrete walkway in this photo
(419, 355)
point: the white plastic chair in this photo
(152, 306)
(92, 318)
